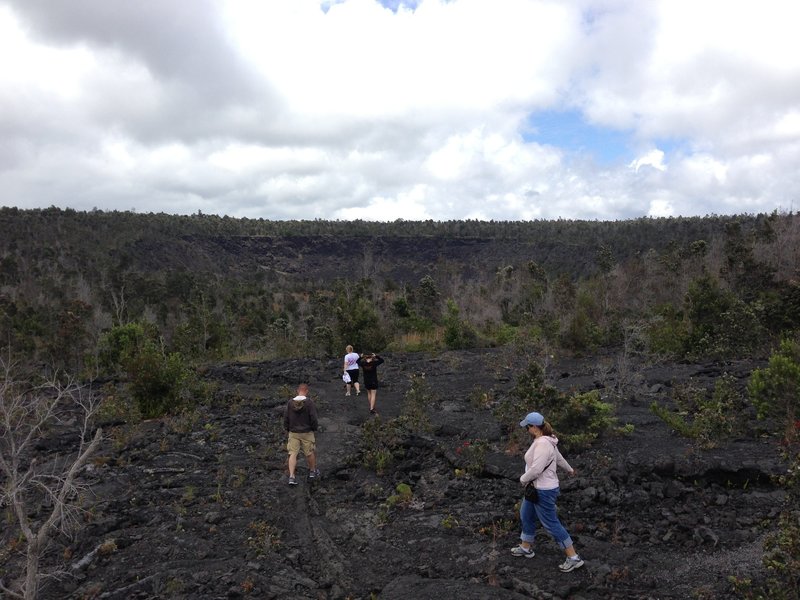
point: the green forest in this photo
(79, 290)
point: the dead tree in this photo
(32, 484)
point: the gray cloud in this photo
(182, 43)
(289, 111)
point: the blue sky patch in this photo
(395, 5)
(569, 131)
(672, 146)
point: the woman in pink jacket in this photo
(541, 461)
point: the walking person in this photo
(300, 422)
(351, 368)
(541, 463)
(369, 364)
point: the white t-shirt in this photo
(351, 361)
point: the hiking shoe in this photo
(313, 474)
(575, 562)
(292, 481)
(522, 551)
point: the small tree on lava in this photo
(775, 390)
(41, 491)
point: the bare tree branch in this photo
(32, 481)
(8, 592)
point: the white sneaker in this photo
(571, 563)
(522, 551)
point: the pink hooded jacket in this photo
(540, 464)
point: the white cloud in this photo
(409, 206)
(282, 109)
(361, 59)
(701, 168)
(660, 208)
(654, 158)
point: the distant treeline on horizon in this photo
(540, 229)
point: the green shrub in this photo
(708, 419)
(418, 400)
(359, 324)
(381, 443)
(737, 332)
(401, 308)
(324, 339)
(667, 331)
(720, 324)
(782, 310)
(504, 334)
(549, 326)
(122, 342)
(159, 382)
(480, 398)
(203, 335)
(449, 521)
(720, 417)
(581, 332)
(782, 556)
(530, 392)
(403, 496)
(473, 455)
(579, 419)
(458, 333)
(674, 420)
(775, 390)
(427, 297)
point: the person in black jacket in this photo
(301, 423)
(369, 368)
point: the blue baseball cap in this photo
(533, 418)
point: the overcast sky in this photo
(429, 109)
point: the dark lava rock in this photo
(419, 588)
(198, 506)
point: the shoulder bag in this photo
(531, 493)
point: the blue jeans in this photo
(545, 511)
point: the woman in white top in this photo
(351, 368)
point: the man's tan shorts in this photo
(301, 441)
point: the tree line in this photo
(717, 286)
